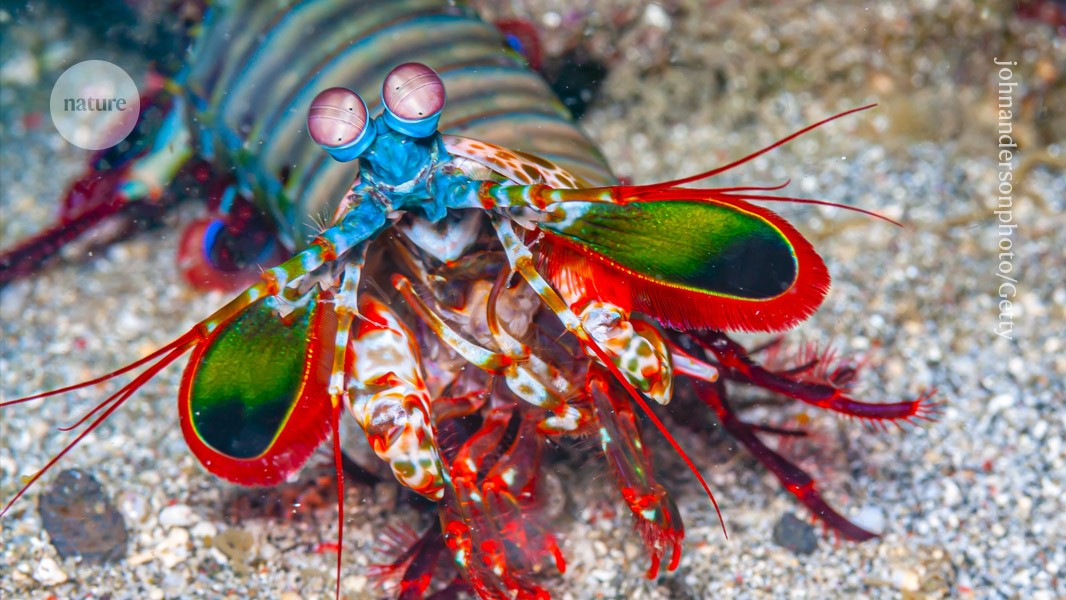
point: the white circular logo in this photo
(95, 104)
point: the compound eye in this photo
(414, 98)
(337, 121)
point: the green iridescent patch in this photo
(249, 378)
(702, 246)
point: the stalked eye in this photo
(414, 98)
(337, 121)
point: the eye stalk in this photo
(414, 97)
(338, 121)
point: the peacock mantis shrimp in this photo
(482, 245)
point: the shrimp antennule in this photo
(165, 356)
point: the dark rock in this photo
(796, 535)
(576, 82)
(81, 520)
(676, 587)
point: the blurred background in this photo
(970, 506)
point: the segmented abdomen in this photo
(256, 68)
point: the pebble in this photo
(134, 506)
(655, 16)
(951, 495)
(356, 583)
(235, 544)
(177, 515)
(795, 535)
(604, 575)
(174, 548)
(81, 520)
(1000, 402)
(174, 583)
(268, 552)
(871, 518)
(48, 572)
(906, 580)
(20, 69)
(204, 530)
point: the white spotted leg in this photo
(521, 260)
(523, 374)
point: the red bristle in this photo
(758, 153)
(815, 201)
(115, 401)
(181, 341)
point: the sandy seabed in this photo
(971, 506)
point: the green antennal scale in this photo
(254, 402)
(718, 263)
